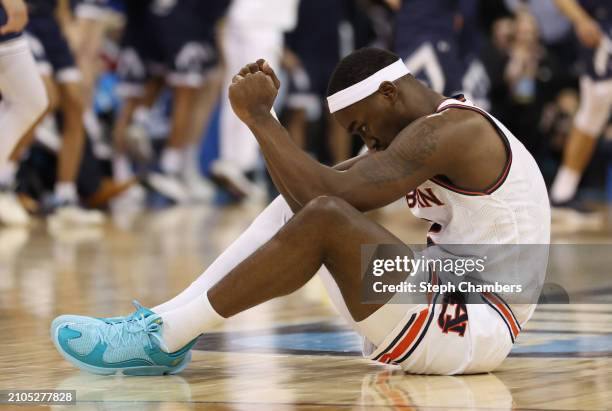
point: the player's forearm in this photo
(572, 10)
(282, 189)
(299, 174)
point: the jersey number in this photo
(454, 316)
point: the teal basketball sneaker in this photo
(128, 345)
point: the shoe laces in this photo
(128, 331)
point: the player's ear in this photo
(388, 90)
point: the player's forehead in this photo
(353, 115)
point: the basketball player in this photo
(24, 100)
(592, 20)
(62, 80)
(463, 171)
(177, 46)
(23, 94)
(251, 31)
(312, 51)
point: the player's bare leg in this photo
(73, 138)
(169, 181)
(327, 231)
(68, 211)
(577, 154)
(198, 187)
(589, 123)
(182, 110)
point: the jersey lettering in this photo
(424, 198)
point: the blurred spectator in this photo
(177, 48)
(472, 38)
(62, 78)
(592, 21)
(253, 30)
(524, 76)
(426, 37)
(555, 32)
(312, 51)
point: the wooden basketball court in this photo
(290, 354)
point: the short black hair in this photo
(358, 66)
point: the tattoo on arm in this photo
(405, 156)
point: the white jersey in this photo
(470, 338)
(513, 210)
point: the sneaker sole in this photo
(149, 370)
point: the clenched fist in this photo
(253, 91)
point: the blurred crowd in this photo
(139, 117)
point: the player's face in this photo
(372, 120)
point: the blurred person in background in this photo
(24, 100)
(87, 33)
(173, 44)
(93, 19)
(472, 39)
(252, 30)
(426, 37)
(592, 21)
(555, 30)
(62, 80)
(312, 51)
(524, 76)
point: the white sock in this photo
(259, 232)
(191, 161)
(265, 226)
(186, 322)
(565, 185)
(8, 171)
(66, 192)
(171, 160)
(122, 170)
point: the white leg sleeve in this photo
(243, 46)
(595, 106)
(265, 226)
(24, 97)
(259, 232)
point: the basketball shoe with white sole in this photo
(128, 345)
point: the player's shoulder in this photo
(460, 122)
(449, 136)
(451, 122)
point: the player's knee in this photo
(594, 110)
(328, 207)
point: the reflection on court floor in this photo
(290, 354)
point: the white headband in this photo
(366, 87)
